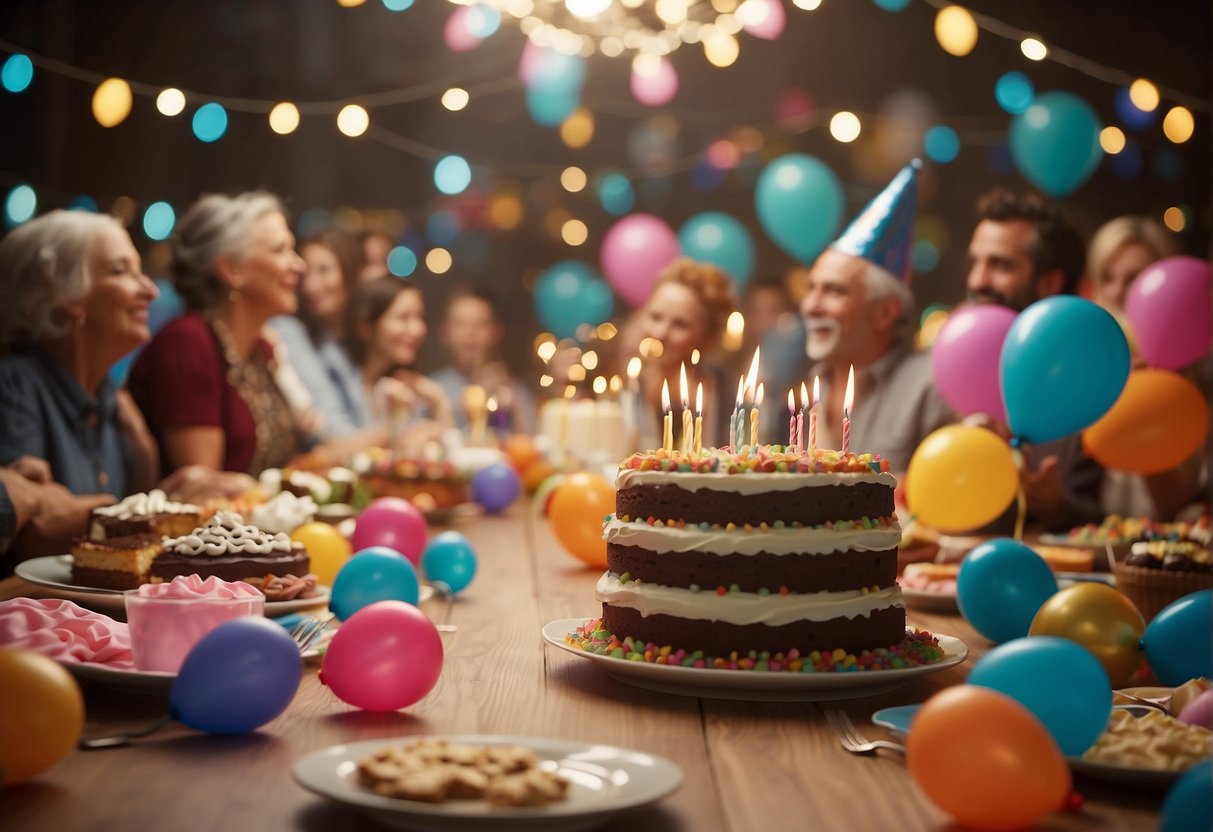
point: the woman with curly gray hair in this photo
(206, 383)
(76, 301)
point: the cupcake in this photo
(1158, 572)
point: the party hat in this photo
(884, 231)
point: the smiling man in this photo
(857, 310)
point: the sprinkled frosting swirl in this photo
(227, 534)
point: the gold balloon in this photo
(1099, 618)
(327, 548)
(41, 714)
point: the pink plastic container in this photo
(167, 620)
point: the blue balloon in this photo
(449, 558)
(1055, 142)
(720, 239)
(495, 487)
(1058, 680)
(376, 573)
(799, 202)
(1179, 641)
(569, 294)
(238, 677)
(1001, 585)
(616, 194)
(551, 107)
(1064, 363)
(1128, 112)
(1189, 804)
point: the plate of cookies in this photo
(487, 782)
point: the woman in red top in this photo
(206, 383)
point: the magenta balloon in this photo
(965, 355)
(385, 657)
(634, 251)
(392, 522)
(1168, 307)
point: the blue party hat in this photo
(884, 231)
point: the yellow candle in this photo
(667, 432)
(754, 418)
(698, 418)
(685, 444)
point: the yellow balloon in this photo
(41, 714)
(1099, 618)
(961, 478)
(327, 548)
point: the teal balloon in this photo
(165, 307)
(1179, 640)
(1189, 803)
(1000, 586)
(800, 203)
(1063, 365)
(550, 107)
(720, 239)
(616, 194)
(1058, 680)
(569, 294)
(1055, 142)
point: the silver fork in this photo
(309, 629)
(853, 741)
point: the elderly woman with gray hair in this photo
(206, 383)
(76, 301)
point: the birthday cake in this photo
(767, 551)
(428, 484)
(231, 550)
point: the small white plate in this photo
(55, 573)
(750, 685)
(928, 601)
(604, 781)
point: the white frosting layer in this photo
(226, 534)
(144, 504)
(743, 608)
(812, 541)
(750, 483)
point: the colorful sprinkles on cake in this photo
(756, 459)
(918, 648)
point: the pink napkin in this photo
(64, 631)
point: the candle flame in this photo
(848, 400)
(683, 389)
(804, 396)
(491, 404)
(816, 389)
(665, 395)
(634, 368)
(740, 390)
(791, 401)
(752, 376)
(699, 399)
(695, 356)
(758, 396)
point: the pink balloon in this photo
(1168, 307)
(458, 35)
(392, 522)
(657, 87)
(387, 656)
(769, 24)
(965, 356)
(634, 251)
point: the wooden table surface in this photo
(748, 766)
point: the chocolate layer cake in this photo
(765, 551)
(114, 563)
(144, 513)
(231, 550)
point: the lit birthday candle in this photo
(848, 402)
(791, 420)
(754, 417)
(667, 432)
(698, 418)
(735, 419)
(751, 381)
(685, 393)
(813, 414)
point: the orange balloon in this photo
(579, 506)
(534, 475)
(41, 714)
(985, 759)
(521, 450)
(327, 547)
(961, 478)
(1099, 618)
(1159, 420)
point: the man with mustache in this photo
(1023, 249)
(857, 311)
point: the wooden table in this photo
(748, 766)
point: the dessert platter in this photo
(602, 781)
(53, 573)
(930, 587)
